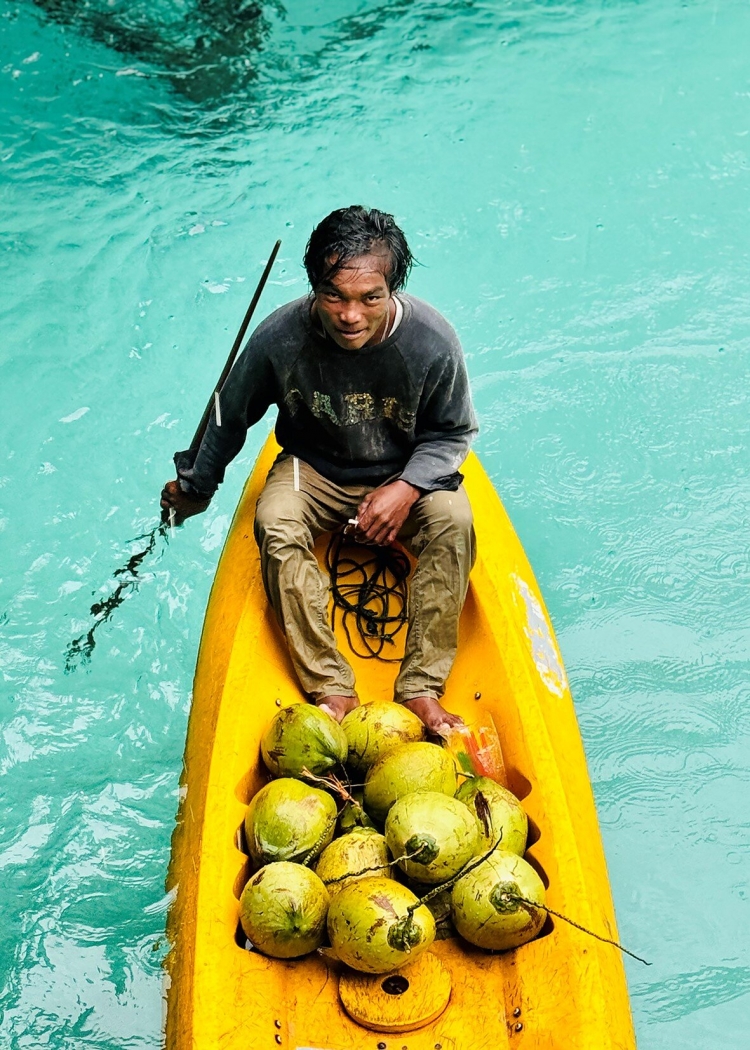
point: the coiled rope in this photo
(369, 590)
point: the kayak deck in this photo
(564, 990)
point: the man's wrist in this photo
(414, 492)
(191, 493)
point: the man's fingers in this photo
(381, 534)
(380, 517)
(371, 536)
(370, 522)
(178, 507)
(170, 490)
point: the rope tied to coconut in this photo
(368, 871)
(509, 896)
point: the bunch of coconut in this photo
(363, 822)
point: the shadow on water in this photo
(215, 52)
(206, 49)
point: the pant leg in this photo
(440, 534)
(295, 506)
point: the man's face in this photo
(354, 303)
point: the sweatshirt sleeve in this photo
(445, 424)
(246, 395)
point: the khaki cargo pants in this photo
(296, 505)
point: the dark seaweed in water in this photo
(80, 649)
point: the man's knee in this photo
(445, 524)
(447, 514)
(279, 522)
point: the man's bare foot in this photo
(337, 706)
(437, 720)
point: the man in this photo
(375, 418)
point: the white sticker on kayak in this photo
(544, 650)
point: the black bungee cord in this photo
(369, 587)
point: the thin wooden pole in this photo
(200, 432)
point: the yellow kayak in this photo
(563, 991)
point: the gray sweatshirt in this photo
(401, 408)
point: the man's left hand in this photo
(382, 514)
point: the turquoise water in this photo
(574, 180)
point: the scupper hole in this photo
(395, 984)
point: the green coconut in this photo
(484, 905)
(373, 729)
(353, 815)
(302, 736)
(371, 928)
(431, 835)
(363, 851)
(288, 820)
(283, 910)
(407, 768)
(500, 814)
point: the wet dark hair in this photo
(351, 232)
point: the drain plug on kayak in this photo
(400, 1002)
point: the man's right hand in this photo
(184, 506)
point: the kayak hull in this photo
(564, 990)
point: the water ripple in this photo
(685, 993)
